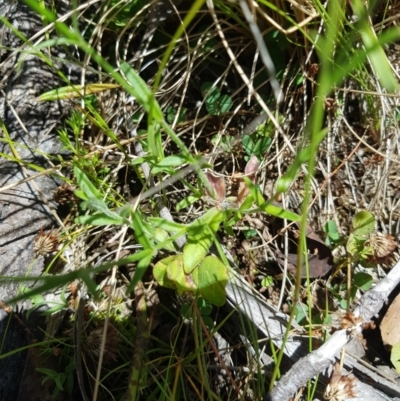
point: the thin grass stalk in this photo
(141, 343)
(315, 133)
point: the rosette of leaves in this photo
(193, 271)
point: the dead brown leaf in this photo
(390, 325)
(319, 260)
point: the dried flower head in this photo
(313, 70)
(57, 351)
(93, 343)
(383, 246)
(64, 194)
(45, 243)
(340, 387)
(349, 320)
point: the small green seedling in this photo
(363, 224)
(332, 233)
(216, 104)
(172, 112)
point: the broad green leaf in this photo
(224, 104)
(248, 203)
(331, 229)
(160, 271)
(268, 207)
(80, 194)
(211, 280)
(208, 321)
(196, 250)
(212, 218)
(248, 144)
(262, 146)
(363, 281)
(363, 223)
(301, 312)
(201, 234)
(74, 91)
(184, 282)
(255, 192)
(355, 245)
(250, 233)
(170, 226)
(210, 92)
(171, 114)
(204, 307)
(85, 184)
(168, 162)
(215, 103)
(277, 211)
(169, 273)
(142, 92)
(162, 236)
(99, 205)
(186, 202)
(395, 357)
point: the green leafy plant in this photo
(357, 243)
(226, 143)
(363, 224)
(216, 103)
(332, 233)
(267, 281)
(172, 112)
(62, 380)
(193, 271)
(255, 144)
(260, 140)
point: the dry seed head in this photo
(383, 246)
(349, 320)
(93, 343)
(340, 387)
(45, 243)
(64, 194)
